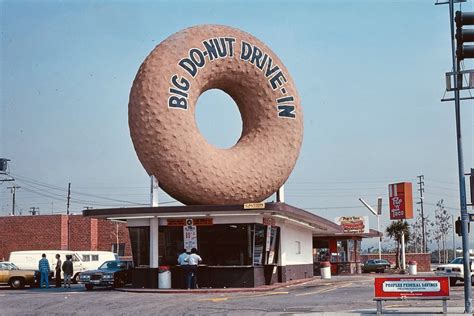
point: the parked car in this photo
(376, 265)
(17, 278)
(81, 260)
(455, 270)
(112, 273)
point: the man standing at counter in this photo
(183, 263)
(191, 276)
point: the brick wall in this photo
(423, 260)
(49, 232)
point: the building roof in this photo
(285, 211)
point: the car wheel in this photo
(17, 283)
(118, 283)
(89, 287)
(452, 281)
(472, 279)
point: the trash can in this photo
(412, 268)
(164, 277)
(325, 270)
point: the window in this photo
(95, 258)
(298, 247)
(119, 249)
(140, 242)
(86, 258)
(266, 250)
(170, 243)
(226, 244)
(221, 244)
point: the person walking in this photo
(43, 267)
(193, 260)
(57, 277)
(68, 271)
(183, 263)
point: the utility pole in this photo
(68, 197)
(67, 213)
(422, 189)
(457, 56)
(13, 192)
(454, 240)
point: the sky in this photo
(370, 75)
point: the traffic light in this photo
(3, 165)
(457, 224)
(464, 35)
(457, 227)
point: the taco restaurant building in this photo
(241, 245)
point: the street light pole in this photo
(462, 184)
(379, 211)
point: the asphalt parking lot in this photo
(341, 295)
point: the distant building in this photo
(50, 232)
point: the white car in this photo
(81, 260)
(455, 270)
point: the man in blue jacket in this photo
(43, 267)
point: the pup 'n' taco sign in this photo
(353, 224)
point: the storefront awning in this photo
(283, 211)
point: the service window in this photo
(95, 257)
(225, 244)
(86, 258)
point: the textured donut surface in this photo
(163, 125)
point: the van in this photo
(82, 260)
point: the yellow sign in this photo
(254, 206)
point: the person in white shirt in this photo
(182, 258)
(193, 260)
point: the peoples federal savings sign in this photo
(411, 287)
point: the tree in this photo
(441, 228)
(395, 231)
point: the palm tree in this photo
(395, 231)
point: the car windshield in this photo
(457, 261)
(11, 266)
(109, 265)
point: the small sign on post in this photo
(190, 235)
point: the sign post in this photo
(401, 207)
(378, 213)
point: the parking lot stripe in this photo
(325, 290)
(220, 299)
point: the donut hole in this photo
(218, 118)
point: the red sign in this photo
(401, 200)
(411, 287)
(190, 222)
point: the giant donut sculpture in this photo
(163, 126)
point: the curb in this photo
(264, 288)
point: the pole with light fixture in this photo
(376, 213)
